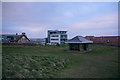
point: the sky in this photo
(77, 18)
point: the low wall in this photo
(18, 44)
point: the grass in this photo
(59, 62)
(32, 67)
(0, 62)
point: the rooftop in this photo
(56, 30)
(79, 39)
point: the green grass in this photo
(59, 62)
(101, 49)
(32, 67)
(0, 62)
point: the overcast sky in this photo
(78, 18)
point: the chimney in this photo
(23, 33)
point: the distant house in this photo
(79, 43)
(15, 38)
(110, 40)
(38, 40)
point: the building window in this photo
(63, 36)
(54, 36)
(10, 38)
(53, 32)
(63, 39)
(54, 39)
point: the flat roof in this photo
(57, 30)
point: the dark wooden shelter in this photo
(79, 43)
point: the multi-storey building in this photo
(56, 37)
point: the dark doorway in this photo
(85, 47)
(74, 47)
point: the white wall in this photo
(55, 41)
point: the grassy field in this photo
(59, 62)
(0, 62)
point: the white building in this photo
(56, 37)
